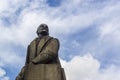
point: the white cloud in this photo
(2, 72)
(2, 75)
(11, 59)
(9, 6)
(88, 68)
(110, 26)
(110, 31)
(60, 22)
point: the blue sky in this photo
(88, 30)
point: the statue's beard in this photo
(44, 33)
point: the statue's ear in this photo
(37, 32)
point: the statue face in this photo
(42, 30)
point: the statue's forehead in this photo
(43, 25)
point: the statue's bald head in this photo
(42, 30)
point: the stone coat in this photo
(44, 54)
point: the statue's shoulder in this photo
(34, 40)
(54, 39)
(56, 42)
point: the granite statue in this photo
(42, 61)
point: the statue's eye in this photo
(41, 27)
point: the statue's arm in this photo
(49, 53)
(27, 56)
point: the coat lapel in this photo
(42, 43)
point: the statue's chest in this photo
(36, 47)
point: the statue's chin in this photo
(44, 33)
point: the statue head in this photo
(42, 30)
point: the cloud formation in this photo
(88, 68)
(2, 75)
(83, 26)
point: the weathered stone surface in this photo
(42, 62)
